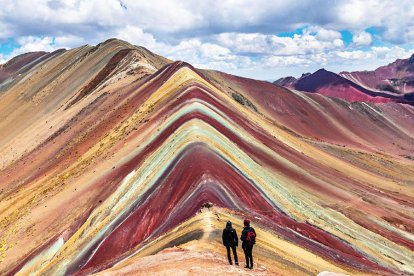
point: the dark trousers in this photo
(233, 248)
(248, 250)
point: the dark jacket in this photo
(230, 237)
(244, 233)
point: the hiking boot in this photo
(230, 262)
(251, 267)
(237, 263)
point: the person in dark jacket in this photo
(230, 240)
(248, 238)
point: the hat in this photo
(246, 222)
(228, 225)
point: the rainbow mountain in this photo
(115, 160)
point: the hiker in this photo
(230, 240)
(248, 238)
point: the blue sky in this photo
(259, 39)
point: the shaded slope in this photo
(151, 149)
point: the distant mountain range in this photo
(390, 83)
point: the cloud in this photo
(362, 38)
(353, 55)
(32, 44)
(282, 61)
(236, 35)
(322, 33)
(174, 19)
(137, 36)
(395, 20)
(69, 41)
(312, 40)
(376, 53)
(204, 55)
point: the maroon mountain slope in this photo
(288, 82)
(396, 77)
(330, 84)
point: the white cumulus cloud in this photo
(137, 36)
(362, 38)
(33, 44)
(310, 41)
